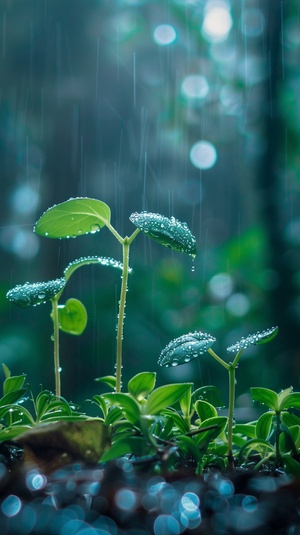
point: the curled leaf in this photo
(83, 261)
(167, 231)
(185, 348)
(254, 339)
(32, 294)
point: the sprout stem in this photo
(56, 345)
(122, 305)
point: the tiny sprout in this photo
(192, 345)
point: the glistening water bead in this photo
(185, 348)
(167, 231)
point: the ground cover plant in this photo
(169, 429)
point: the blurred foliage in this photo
(92, 103)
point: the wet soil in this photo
(121, 498)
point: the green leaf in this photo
(290, 465)
(142, 384)
(6, 371)
(205, 437)
(167, 231)
(264, 425)
(254, 339)
(36, 293)
(12, 397)
(109, 380)
(129, 445)
(265, 396)
(177, 419)
(248, 430)
(208, 393)
(13, 383)
(10, 433)
(72, 317)
(205, 410)
(165, 396)
(255, 444)
(128, 405)
(113, 416)
(289, 419)
(290, 401)
(289, 439)
(72, 218)
(185, 348)
(185, 403)
(17, 412)
(98, 400)
(189, 446)
(42, 403)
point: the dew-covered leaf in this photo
(167, 231)
(254, 339)
(290, 401)
(72, 218)
(84, 261)
(185, 348)
(72, 317)
(142, 384)
(36, 293)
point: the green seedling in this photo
(78, 217)
(192, 345)
(70, 317)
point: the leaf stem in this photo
(56, 346)
(121, 315)
(218, 359)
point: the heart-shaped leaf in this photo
(185, 348)
(72, 218)
(32, 294)
(167, 231)
(254, 339)
(72, 317)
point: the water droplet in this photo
(94, 228)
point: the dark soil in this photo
(122, 499)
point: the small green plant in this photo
(165, 427)
(78, 217)
(189, 346)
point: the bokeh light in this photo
(217, 22)
(164, 34)
(194, 86)
(203, 155)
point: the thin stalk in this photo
(218, 359)
(231, 373)
(56, 346)
(122, 305)
(126, 242)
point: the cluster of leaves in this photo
(19, 411)
(170, 426)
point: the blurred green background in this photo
(188, 108)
